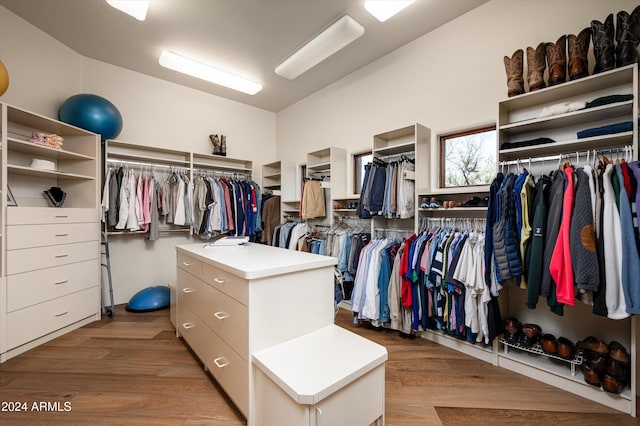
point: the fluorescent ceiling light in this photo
(341, 33)
(385, 9)
(205, 72)
(135, 8)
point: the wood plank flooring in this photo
(132, 370)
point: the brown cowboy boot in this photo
(535, 67)
(603, 49)
(578, 50)
(557, 60)
(215, 143)
(223, 145)
(513, 68)
(627, 37)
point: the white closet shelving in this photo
(517, 122)
(330, 166)
(147, 158)
(50, 256)
(272, 177)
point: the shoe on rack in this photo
(472, 202)
(591, 343)
(566, 348)
(435, 203)
(618, 353)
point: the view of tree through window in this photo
(468, 158)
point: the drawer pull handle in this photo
(221, 362)
(59, 314)
(188, 290)
(187, 263)
(60, 282)
(319, 416)
(219, 280)
(62, 234)
(62, 216)
(221, 315)
(187, 325)
(61, 255)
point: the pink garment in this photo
(560, 265)
(227, 201)
(146, 202)
(139, 198)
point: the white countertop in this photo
(315, 365)
(253, 261)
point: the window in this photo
(359, 161)
(468, 158)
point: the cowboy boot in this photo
(557, 60)
(627, 37)
(603, 49)
(215, 142)
(223, 145)
(578, 50)
(513, 68)
(535, 67)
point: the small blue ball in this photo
(93, 113)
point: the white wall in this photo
(43, 73)
(449, 79)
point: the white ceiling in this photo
(248, 37)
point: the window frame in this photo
(357, 170)
(442, 139)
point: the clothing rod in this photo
(392, 157)
(138, 163)
(566, 156)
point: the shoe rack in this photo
(519, 120)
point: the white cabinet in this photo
(520, 121)
(327, 377)
(234, 301)
(50, 256)
(272, 177)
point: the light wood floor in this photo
(133, 370)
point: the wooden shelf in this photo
(31, 148)
(28, 171)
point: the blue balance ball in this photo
(150, 299)
(93, 113)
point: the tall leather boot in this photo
(603, 49)
(627, 37)
(578, 51)
(215, 143)
(557, 60)
(536, 65)
(513, 68)
(223, 145)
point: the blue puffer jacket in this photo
(514, 263)
(499, 241)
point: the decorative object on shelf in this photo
(513, 67)
(627, 37)
(11, 200)
(536, 64)
(223, 145)
(578, 46)
(557, 60)
(4, 79)
(55, 196)
(50, 140)
(603, 49)
(219, 144)
(41, 164)
(215, 144)
(93, 113)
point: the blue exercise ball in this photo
(150, 299)
(93, 113)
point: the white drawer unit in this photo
(38, 215)
(26, 236)
(234, 301)
(31, 259)
(50, 273)
(38, 320)
(31, 288)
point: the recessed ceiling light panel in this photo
(205, 72)
(135, 8)
(385, 9)
(341, 33)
